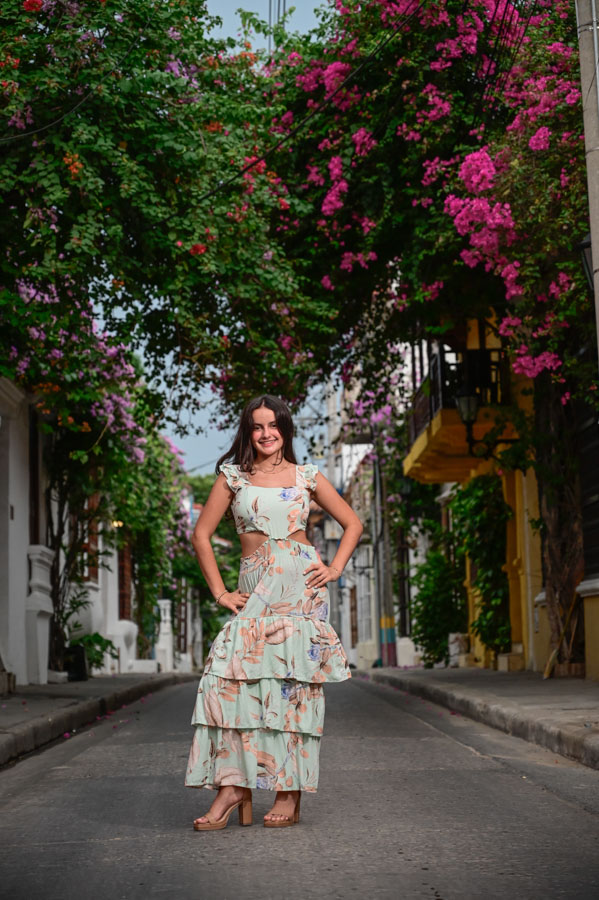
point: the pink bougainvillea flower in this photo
(439, 106)
(408, 134)
(540, 139)
(508, 324)
(478, 171)
(559, 287)
(432, 291)
(314, 175)
(336, 168)
(332, 202)
(367, 224)
(198, 249)
(531, 366)
(334, 75)
(363, 141)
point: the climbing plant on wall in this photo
(479, 517)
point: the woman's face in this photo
(266, 437)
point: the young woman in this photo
(260, 707)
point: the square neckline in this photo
(271, 487)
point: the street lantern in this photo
(586, 254)
(467, 404)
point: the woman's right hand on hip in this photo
(234, 600)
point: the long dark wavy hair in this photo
(242, 452)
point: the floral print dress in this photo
(259, 712)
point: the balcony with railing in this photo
(438, 445)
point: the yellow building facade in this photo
(440, 453)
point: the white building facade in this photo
(25, 569)
(25, 604)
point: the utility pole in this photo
(378, 557)
(333, 423)
(384, 579)
(588, 45)
(277, 9)
(391, 649)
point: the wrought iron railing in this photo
(483, 372)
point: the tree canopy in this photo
(246, 219)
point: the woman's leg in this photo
(283, 807)
(224, 799)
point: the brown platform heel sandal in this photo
(286, 821)
(244, 805)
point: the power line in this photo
(276, 15)
(84, 99)
(495, 82)
(315, 111)
(300, 125)
(404, 20)
(203, 465)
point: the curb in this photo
(575, 742)
(42, 729)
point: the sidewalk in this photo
(39, 713)
(561, 714)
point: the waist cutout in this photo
(249, 551)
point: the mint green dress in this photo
(259, 712)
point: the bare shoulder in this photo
(221, 486)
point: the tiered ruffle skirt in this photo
(259, 713)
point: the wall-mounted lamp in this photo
(467, 404)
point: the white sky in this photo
(302, 19)
(202, 450)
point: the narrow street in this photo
(414, 803)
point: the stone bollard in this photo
(164, 644)
(38, 612)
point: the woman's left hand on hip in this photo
(319, 575)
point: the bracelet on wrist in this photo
(336, 570)
(222, 594)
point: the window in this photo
(125, 582)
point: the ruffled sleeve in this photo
(308, 474)
(232, 474)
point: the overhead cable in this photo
(85, 98)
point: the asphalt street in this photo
(414, 802)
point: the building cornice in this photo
(588, 588)
(11, 397)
